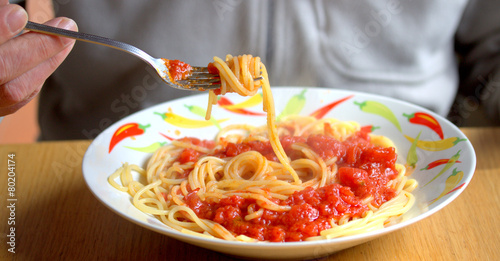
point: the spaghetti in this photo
(301, 179)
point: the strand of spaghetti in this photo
(260, 191)
(410, 185)
(133, 187)
(261, 200)
(203, 172)
(275, 186)
(271, 125)
(174, 195)
(250, 161)
(190, 232)
(181, 220)
(188, 214)
(112, 182)
(254, 215)
(139, 203)
(228, 76)
(211, 99)
(128, 168)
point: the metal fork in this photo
(199, 79)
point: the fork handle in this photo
(40, 28)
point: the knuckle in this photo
(14, 93)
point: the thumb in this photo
(13, 18)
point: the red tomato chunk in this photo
(178, 70)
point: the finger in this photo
(13, 18)
(18, 92)
(24, 52)
(9, 109)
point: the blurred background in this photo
(22, 127)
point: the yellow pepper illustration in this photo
(202, 112)
(437, 145)
(450, 184)
(184, 122)
(148, 149)
(250, 102)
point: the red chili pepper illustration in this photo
(168, 137)
(457, 188)
(437, 163)
(368, 128)
(320, 113)
(125, 131)
(427, 120)
(225, 102)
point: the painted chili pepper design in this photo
(148, 149)
(250, 102)
(226, 104)
(321, 112)
(412, 157)
(369, 128)
(379, 109)
(451, 184)
(166, 136)
(427, 120)
(184, 122)
(126, 130)
(294, 105)
(437, 163)
(202, 112)
(448, 165)
(437, 145)
(456, 188)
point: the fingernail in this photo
(67, 24)
(16, 20)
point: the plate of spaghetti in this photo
(304, 174)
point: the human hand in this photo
(27, 60)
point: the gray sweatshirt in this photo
(418, 51)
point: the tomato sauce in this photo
(191, 155)
(363, 172)
(178, 70)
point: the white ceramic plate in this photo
(445, 164)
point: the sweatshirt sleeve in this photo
(478, 50)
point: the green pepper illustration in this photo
(380, 109)
(448, 165)
(412, 157)
(294, 105)
(202, 112)
(148, 149)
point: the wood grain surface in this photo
(58, 218)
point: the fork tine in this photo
(203, 76)
(199, 69)
(201, 79)
(192, 81)
(202, 87)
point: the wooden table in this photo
(57, 217)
